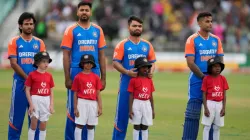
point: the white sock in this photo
(91, 134)
(42, 135)
(144, 134)
(31, 134)
(78, 133)
(206, 132)
(135, 134)
(216, 134)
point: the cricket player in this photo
(81, 38)
(124, 57)
(21, 51)
(199, 48)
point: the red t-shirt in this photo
(86, 85)
(214, 87)
(141, 88)
(40, 83)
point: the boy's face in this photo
(143, 70)
(87, 66)
(216, 69)
(43, 64)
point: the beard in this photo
(27, 32)
(84, 18)
(134, 33)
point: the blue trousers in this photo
(192, 118)
(122, 116)
(70, 121)
(18, 108)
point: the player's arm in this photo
(131, 100)
(193, 67)
(220, 51)
(151, 58)
(118, 66)
(66, 46)
(66, 67)
(17, 68)
(12, 55)
(190, 57)
(152, 105)
(102, 61)
(51, 105)
(99, 102)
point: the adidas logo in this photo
(200, 44)
(79, 34)
(129, 48)
(21, 46)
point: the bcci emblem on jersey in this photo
(214, 43)
(35, 46)
(144, 48)
(94, 34)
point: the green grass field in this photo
(170, 102)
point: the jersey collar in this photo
(203, 37)
(25, 39)
(82, 27)
(134, 42)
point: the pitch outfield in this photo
(170, 103)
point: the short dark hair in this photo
(83, 3)
(203, 14)
(24, 16)
(131, 18)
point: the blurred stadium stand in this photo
(167, 23)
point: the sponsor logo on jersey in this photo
(90, 90)
(87, 42)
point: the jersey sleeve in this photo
(28, 81)
(67, 40)
(204, 84)
(98, 83)
(119, 52)
(42, 46)
(220, 51)
(52, 84)
(131, 86)
(12, 46)
(101, 42)
(151, 54)
(75, 87)
(225, 84)
(189, 47)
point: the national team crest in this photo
(94, 34)
(214, 43)
(35, 46)
(144, 48)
